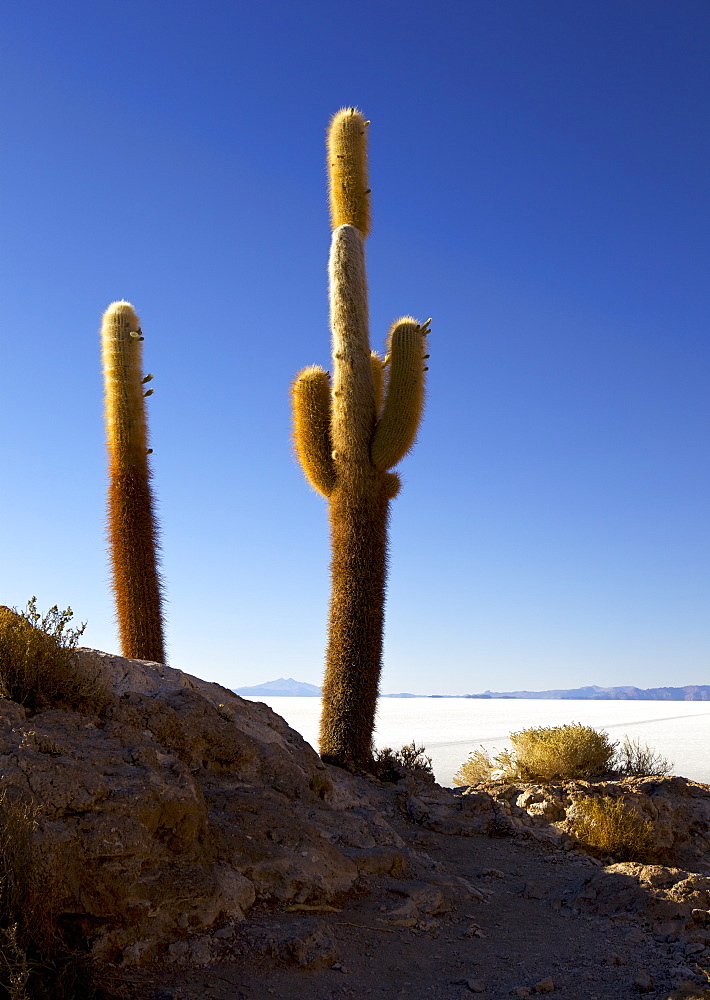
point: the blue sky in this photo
(539, 177)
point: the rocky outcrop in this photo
(677, 808)
(670, 901)
(169, 816)
(166, 822)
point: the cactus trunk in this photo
(346, 444)
(132, 526)
(358, 530)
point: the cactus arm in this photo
(347, 170)
(378, 380)
(393, 484)
(310, 396)
(132, 526)
(404, 402)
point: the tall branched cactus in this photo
(131, 520)
(347, 435)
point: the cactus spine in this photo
(347, 436)
(132, 525)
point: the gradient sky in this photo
(539, 176)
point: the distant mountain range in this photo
(289, 688)
(282, 688)
(691, 692)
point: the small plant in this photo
(393, 765)
(35, 662)
(480, 767)
(606, 825)
(547, 753)
(636, 759)
(54, 624)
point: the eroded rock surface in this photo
(170, 815)
(191, 826)
(678, 809)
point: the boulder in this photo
(183, 804)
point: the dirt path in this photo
(406, 939)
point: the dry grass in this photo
(35, 663)
(608, 826)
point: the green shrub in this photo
(606, 825)
(393, 765)
(547, 753)
(35, 662)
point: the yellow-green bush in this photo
(607, 825)
(558, 753)
(35, 662)
(547, 753)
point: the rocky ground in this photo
(206, 851)
(538, 919)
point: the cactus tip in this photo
(120, 306)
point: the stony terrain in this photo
(206, 851)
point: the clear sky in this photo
(539, 177)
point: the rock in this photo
(643, 981)
(534, 890)
(166, 818)
(426, 898)
(313, 946)
(406, 915)
(635, 936)
(677, 808)
(545, 986)
(378, 860)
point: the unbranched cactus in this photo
(348, 433)
(132, 524)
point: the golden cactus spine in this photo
(347, 436)
(132, 525)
